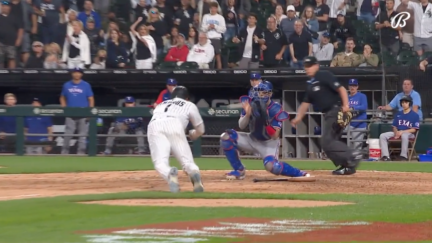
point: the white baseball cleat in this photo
(173, 180)
(195, 178)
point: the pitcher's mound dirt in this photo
(246, 203)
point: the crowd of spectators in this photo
(143, 34)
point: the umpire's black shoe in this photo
(344, 171)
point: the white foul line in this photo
(20, 196)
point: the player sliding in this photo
(264, 117)
(166, 134)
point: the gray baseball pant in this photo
(337, 151)
(384, 137)
(356, 134)
(71, 126)
(120, 129)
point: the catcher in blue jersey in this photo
(264, 118)
(122, 125)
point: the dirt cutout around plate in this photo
(246, 203)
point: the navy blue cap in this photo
(6, 3)
(326, 34)
(255, 76)
(353, 82)
(129, 99)
(77, 69)
(37, 99)
(171, 81)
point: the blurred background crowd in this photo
(146, 34)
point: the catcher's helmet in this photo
(180, 92)
(263, 91)
(406, 98)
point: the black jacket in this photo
(255, 46)
(338, 31)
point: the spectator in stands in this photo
(336, 7)
(203, 7)
(111, 26)
(53, 59)
(232, 20)
(50, 13)
(287, 27)
(202, 53)
(38, 125)
(73, 4)
(192, 38)
(116, 51)
(90, 13)
(76, 50)
(279, 14)
(140, 8)
(38, 56)
(22, 10)
(368, 59)
(8, 124)
(99, 60)
(165, 13)
(299, 8)
(422, 25)
(95, 36)
(322, 14)
(408, 30)
(144, 45)
(310, 23)
(214, 25)
(166, 93)
(242, 8)
(172, 39)
(324, 50)
(273, 44)
(71, 15)
(347, 58)
(249, 44)
(11, 35)
(389, 36)
(102, 6)
(408, 89)
(184, 17)
(128, 43)
(405, 127)
(341, 30)
(178, 53)
(367, 10)
(157, 28)
(424, 63)
(300, 45)
(196, 21)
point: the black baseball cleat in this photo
(344, 171)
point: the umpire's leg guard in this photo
(228, 143)
(276, 167)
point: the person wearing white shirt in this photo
(324, 50)
(422, 25)
(144, 46)
(214, 25)
(202, 53)
(76, 49)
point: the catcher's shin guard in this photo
(276, 167)
(228, 143)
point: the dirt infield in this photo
(366, 182)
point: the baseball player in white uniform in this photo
(166, 134)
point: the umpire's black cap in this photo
(309, 61)
(180, 92)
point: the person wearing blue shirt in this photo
(90, 13)
(126, 124)
(405, 126)
(8, 125)
(38, 125)
(76, 93)
(358, 102)
(407, 90)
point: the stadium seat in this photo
(405, 47)
(189, 65)
(388, 59)
(405, 57)
(426, 55)
(167, 65)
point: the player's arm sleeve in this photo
(394, 103)
(63, 92)
(243, 121)
(416, 100)
(416, 122)
(363, 103)
(395, 122)
(89, 91)
(332, 82)
(306, 98)
(160, 97)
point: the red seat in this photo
(397, 139)
(395, 143)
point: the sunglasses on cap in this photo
(6, 3)
(154, 12)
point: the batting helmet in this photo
(406, 98)
(180, 92)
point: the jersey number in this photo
(166, 109)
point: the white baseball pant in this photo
(166, 135)
(144, 64)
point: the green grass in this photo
(52, 220)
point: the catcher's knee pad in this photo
(228, 139)
(272, 165)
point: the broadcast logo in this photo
(399, 20)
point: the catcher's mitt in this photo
(259, 111)
(344, 118)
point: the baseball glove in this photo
(259, 111)
(344, 118)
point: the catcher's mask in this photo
(180, 92)
(263, 91)
(406, 98)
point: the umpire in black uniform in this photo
(325, 92)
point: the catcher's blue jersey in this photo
(257, 128)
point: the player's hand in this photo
(192, 135)
(423, 65)
(294, 122)
(345, 108)
(263, 47)
(247, 108)
(294, 60)
(2, 135)
(381, 107)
